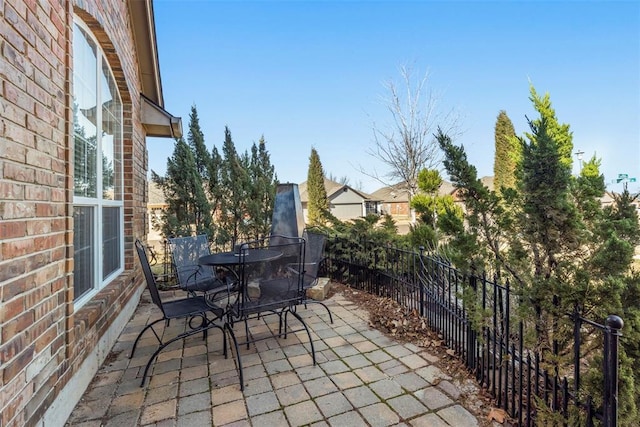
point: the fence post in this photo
(612, 336)
(422, 301)
(471, 335)
(577, 343)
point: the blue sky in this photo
(309, 74)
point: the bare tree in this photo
(408, 145)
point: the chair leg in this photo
(313, 352)
(237, 350)
(150, 325)
(176, 338)
(310, 301)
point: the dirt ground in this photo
(390, 318)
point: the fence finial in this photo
(615, 322)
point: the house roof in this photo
(398, 193)
(395, 193)
(332, 189)
(156, 120)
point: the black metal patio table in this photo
(230, 259)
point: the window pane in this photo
(83, 250)
(111, 138)
(110, 240)
(98, 167)
(85, 101)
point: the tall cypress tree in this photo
(318, 203)
(262, 189)
(506, 153)
(234, 183)
(195, 137)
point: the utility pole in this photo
(579, 155)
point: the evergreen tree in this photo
(562, 252)
(234, 184)
(188, 209)
(429, 207)
(560, 133)
(506, 153)
(318, 203)
(216, 193)
(262, 189)
(195, 137)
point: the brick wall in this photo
(44, 338)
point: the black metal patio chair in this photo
(268, 286)
(313, 257)
(193, 277)
(200, 315)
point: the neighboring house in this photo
(80, 92)
(155, 207)
(394, 200)
(344, 202)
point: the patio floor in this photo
(362, 378)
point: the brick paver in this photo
(362, 378)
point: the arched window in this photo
(98, 216)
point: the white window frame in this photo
(98, 202)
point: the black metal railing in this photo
(486, 334)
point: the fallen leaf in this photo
(496, 414)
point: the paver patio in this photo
(362, 378)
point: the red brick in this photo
(39, 226)
(59, 166)
(44, 113)
(18, 61)
(9, 412)
(17, 364)
(20, 10)
(39, 328)
(9, 350)
(12, 113)
(17, 172)
(58, 224)
(39, 127)
(16, 248)
(12, 229)
(37, 192)
(38, 159)
(44, 209)
(37, 260)
(45, 339)
(36, 296)
(16, 97)
(25, 30)
(17, 77)
(10, 35)
(17, 133)
(35, 24)
(15, 287)
(31, 5)
(57, 194)
(11, 190)
(17, 325)
(38, 94)
(44, 276)
(17, 210)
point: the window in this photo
(370, 208)
(97, 154)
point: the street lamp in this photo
(579, 155)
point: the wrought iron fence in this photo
(486, 335)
